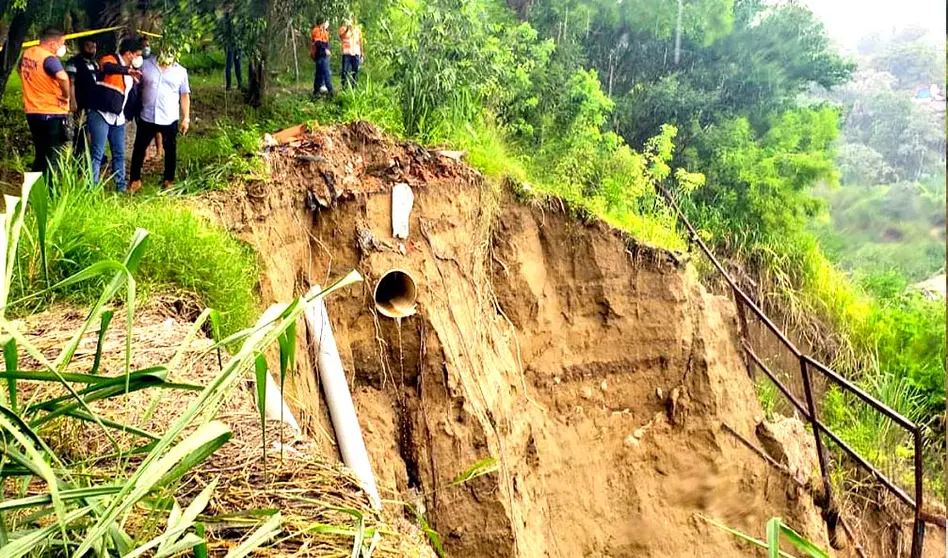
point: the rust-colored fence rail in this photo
(808, 410)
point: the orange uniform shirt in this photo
(41, 91)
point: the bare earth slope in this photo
(595, 374)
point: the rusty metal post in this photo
(918, 528)
(745, 334)
(830, 512)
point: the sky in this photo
(848, 20)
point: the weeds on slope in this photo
(84, 224)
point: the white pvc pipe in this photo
(275, 408)
(339, 400)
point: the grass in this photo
(187, 254)
(54, 506)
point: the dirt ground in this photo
(307, 487)
(596, 376)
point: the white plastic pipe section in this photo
(275, 408)
(339, 400)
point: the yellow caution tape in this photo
(78, 35)
(81, 34)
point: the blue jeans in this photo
(350, 69)
(233, 63)
(323, 76)
(101, 132)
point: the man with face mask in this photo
(166, 110)
(82, 69)
(119, 72)
(46, 96)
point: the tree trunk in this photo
(10, 55)
(257, 82)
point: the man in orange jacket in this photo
(46, 96)
(319, 52)
(351, 38)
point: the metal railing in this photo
(808, 408)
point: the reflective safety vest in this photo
(351, 40)
(112, 81)
(41, 91)
(320, 35)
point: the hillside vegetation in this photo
(738, 107)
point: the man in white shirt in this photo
(119, 72)
(166, 109)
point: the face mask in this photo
(146, 52)
(166, 59)
(61, 51)
(137, 62)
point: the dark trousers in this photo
(49, 136)
(350, 69)
(233, 63)
(169, 142)
(81, 139)
(323, 76)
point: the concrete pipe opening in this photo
(395, 294)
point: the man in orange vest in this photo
(46, 96)
(351, 37)
(110, 106)
(319, 52)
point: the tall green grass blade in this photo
(259, 537)
(773, 537)
(106, 319)
(148, 476)
(10, 362)
(200, 550)
(34, 541)
(260, 374)
(67, 496)
(802, 544)
(742, 536)
(433, 537)
(268, 328)
(39, 201)
(26, 438)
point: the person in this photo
(319, 52)
(46, 97)
(82, 70)
(136, 110)
(232, 52)
(351, 38)
(166, 109)
(107, 118)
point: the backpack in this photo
(312, 50)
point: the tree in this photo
(21, 14)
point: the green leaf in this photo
(66, 495)
(39, 200)
(260, 536)
(149, 474)
(260, 373)
(103, 328)
(10, 360)
(36, 540)
(773, 537)
(802, 544)
(20, 432)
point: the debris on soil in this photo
(596, 372)
(308, 488)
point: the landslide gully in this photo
(576, 381)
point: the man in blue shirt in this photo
(166, 109)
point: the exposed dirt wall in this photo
(597, 373)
